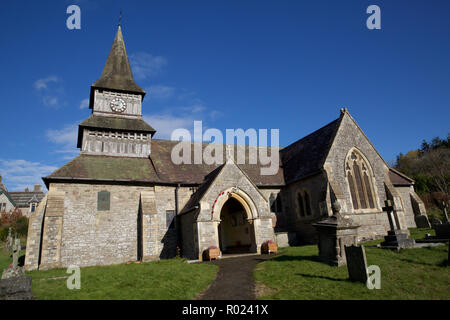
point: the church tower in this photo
(116, 127)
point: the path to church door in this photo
(236, 234)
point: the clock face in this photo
(118, 105)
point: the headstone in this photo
(14, 285)
(356, 263)
(442, 231)
(422, 221)
(17, 288)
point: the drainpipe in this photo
(177, 221)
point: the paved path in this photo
(234, 280)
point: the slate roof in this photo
(399, 179)
(307, 155)
(195, 173)
(299, 160)
(159, 168)
(106, 168)
(117, 71)
(23, 199)
(195, 198)
(8, 195)
(114, 123)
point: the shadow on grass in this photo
(322, 277)
(441, 264)
(297, 258)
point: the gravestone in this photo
(356, 263)
(442, 230)
(422, 221)
(14, 285)
(396, 238)
(17, 288)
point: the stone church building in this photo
(123, 199)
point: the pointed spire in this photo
(117, 72)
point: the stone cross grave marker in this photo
(16, 252)
(389, 208)
(9, 240)
(356, 263)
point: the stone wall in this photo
(77, 233)
(316, 187)
(33, 248)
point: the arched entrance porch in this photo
(236, 231)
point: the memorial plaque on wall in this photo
(103, 200)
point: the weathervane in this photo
(120, 18)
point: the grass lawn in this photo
(164, 279)
(409, 274)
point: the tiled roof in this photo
(399, 179)
(23, 199)
(159, 168)
(90, 167)
(195, 173)
(307, 155)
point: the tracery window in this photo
(359, 181)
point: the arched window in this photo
(300, 204)
(275, 203)
(359, 181)
(307, 204)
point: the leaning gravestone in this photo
(14, 285)
(356, 263)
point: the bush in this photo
(3, 233)
(22, 226)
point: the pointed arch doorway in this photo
(236, 230)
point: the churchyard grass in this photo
(418, 273)
(165, 279)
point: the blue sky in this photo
(287, 65)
